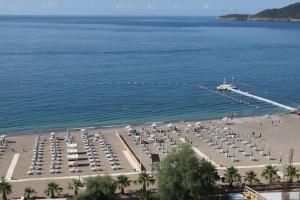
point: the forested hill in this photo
(288, 13)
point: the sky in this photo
(137, 7)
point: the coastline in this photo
(105, 127)
(258, 19)
(278, 133)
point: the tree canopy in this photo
(100, 187)
(5, 188)
(183, 176)
(270, 173)
(232, 175)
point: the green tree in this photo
(251, 177)
(5, 189)
(28, 192)
(232, 175)
(123, 182)
(181, 175)
(52, 189)
(270, 174)
(100, 187)
(290, 172)
(75, 185)
(144, 179)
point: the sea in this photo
(80, 71)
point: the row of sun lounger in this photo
(3, 144)
(91, 152)
(110, 155)
(55, 150)
(37, 156)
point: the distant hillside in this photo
(288, 13)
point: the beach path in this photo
(134, 163)
(197, 151)
(12, 166)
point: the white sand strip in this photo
(197, 151)
(132, 160)
(12, 166)
(72, 177)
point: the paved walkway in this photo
(72, 177)
(134, 163)
(12, 166)
(197, 151)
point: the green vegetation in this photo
(123, 182)
(182, 176)
(232, 176)
(75, 185)
(52, 189)
(5, 189)
(290, 172)
(28, 192)
(250, 177)
(100, 187)
(144, 179)
(270, 174)
(239, 17)
(288, 13)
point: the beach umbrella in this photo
(52, 133)
(170, 125)
(225, 119)
(198, 123)
(154, 125)
(82, 130)
(128, 127)
(189, 125)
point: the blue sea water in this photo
(58, 72)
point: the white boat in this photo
(225, 86)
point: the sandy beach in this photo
(247, 143)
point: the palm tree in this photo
(52, 188)
(123, 182)
(270, 173)
(144, 179)
(291, 172)
(5, 188)
(75, 185)
(231, 175)
(28, 192)
(251, 177)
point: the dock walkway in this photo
(262, 99)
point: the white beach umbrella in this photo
(154, 125)
(52, 133)
(225, 119)
(198, 123)
(170, 125)
(128, 127)
(189, 125)
(82, 130)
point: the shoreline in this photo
(250, 19)
(47, 131)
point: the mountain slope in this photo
(288, 13)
